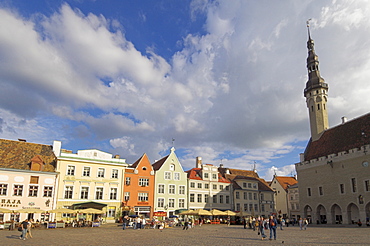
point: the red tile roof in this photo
(350, 135)
(286, 181)
(194, 173)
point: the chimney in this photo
(344, 119)
(116, 157)
(198, 161)
(221, 165)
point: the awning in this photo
(84, 205)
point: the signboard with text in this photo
(160, 214)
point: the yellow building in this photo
(89, 179)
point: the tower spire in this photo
(315, 92)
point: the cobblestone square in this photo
(112, 234)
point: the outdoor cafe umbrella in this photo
(30, 210)
(63, 210)
(187, 212)
(216, 212)
(5, 210)
(201, 212)
(90, 211)
(229, 213)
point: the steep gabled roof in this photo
(285, 182)
(194, 173)
(136, 163)
(350, 135)
(19, 154)
(237, 172)
(263, 185)
(158, 164)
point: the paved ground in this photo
(111, 234)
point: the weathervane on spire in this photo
(308, 27)
(173, 141)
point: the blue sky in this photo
(223, 78)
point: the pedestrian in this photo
(29, 226)
(24, 226)
(228, 220)
(282, 222)
(161, 226)
(305, 223)
(287, 222)
(262, 224)
(186, 224)
(143, 222)
(125, 222)
(300, 222)
(253, 223)
(272, 226)
(200, 221)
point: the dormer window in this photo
(172, 167)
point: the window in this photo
(71, 170)
(127, 196)
(171, 203)
(206, 186)
(237, 195)
(84, 193)
(238, 207)
(99, 193)
(176, 176)
(143, 182)
(354, 186)
(205, 175)
(245, 206)
(214, 176)
(214, 187)
(128, 181)
(161, 188)
(227, 187)
(245, 195)
(111, 212)
(171, 189)
(114, 174)
(182, 190)
(113, 194)
(255, 186)
(48, 191)
(321, 191)
(68, 192)
(199, 185)
(101, 172)
(221, 199)
(167, 175)
(172, 167)
(206, 198)
(262, 196)
(221, 187)
(309, 191)
(34, 180)
(250, 207)
(33, 189)
(3, 189)
(143, 196)
(250, 196)
(18, 190)
(244, 186)
(367, 185)
(214, 199)
(227, 199)
(249, 185)
(254, 196)
(160, 203)
(199, 198)
(263, 207)
(86, 172)
(181, 203)
(192, 197)
(256, 207)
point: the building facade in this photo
(333, 172)
(170, 185)
(90, 178)
(139, 186)
(293, 202)
(280, 185)
(28, 180)
(207, 188)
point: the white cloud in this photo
(234, 93)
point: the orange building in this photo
(139, 188)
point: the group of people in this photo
(25, 227)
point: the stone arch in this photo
(353, 213)
(321, 214)
(336, 213)
(307, 213)
(367, 210)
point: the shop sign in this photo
(10, 203)
(160, 214)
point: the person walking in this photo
(125, 222)
(300, 222)
(272, 226)
(282, 222)
(29, 226)
(261, 227)
(24, 226)
(228, 220)
(305, 223)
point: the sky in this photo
(222, 79)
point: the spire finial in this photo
(308, 28)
